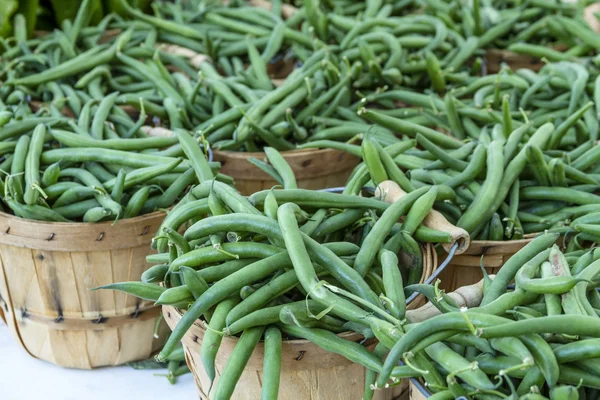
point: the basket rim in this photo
(120, 222)
(79, 236)
(294, 152)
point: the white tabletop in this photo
(23, 377)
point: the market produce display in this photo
(535, 341)
(545, 29)
(285, 245)
(91, 179)
(117, 114)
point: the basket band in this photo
(98, 323)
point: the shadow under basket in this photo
(307, 371)
(464, 269)
(46, 272)
(314, 169)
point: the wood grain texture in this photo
(46, 272)
(314, 169)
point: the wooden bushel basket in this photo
(314, 169)
(46, 272)
(464, 269)
(307, 371)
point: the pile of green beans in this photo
(553, 30)
(517, 149)
(286, 263)
(207, 72)
(215, 71)
(60, 170)
(539, 340)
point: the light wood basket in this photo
(314, 169)
(416, 391)
(464, 269)
(494, 58)
(46, 272)
(307, 371)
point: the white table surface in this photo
(23, 377)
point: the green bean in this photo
(510, 268)
(32, 165)
(223, 289)
(212, 338)
(309, 198)
(282, 167)
(329, 341)
(19, 160)
(410, 129)
(81, 63)
(34, 212)
(145, 291)
(272, 363)
(373, 162)
(452, 361)
(483, 208)
(392, 281)
(108, 156)
(73, 140)
(74, 195)
(136, 202)
(96, 214)
(237, 362)
(373, 242)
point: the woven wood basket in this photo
(314, 169)
(307, 372)
(46, 271)
(464, 269)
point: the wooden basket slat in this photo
(314, 169)
(46, 271)
(316, 375)
(465, 269)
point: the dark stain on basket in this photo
(137, 311)
(306, 163)
(60, 317)
(300, 355)
(54, 285)
(100, 319)
(24, 313)
(195, 338)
